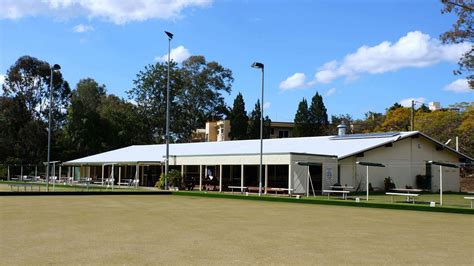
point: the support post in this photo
(289, 178)
(200, 177)
(36, 171)
(307, 184)
(242, 178)
(440, 185)
(8, 172)
(220, 178)
(120, 175)
(266, 178)
(21, 172)
(367, 183)
(457, 143)
(102, 177)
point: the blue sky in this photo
(361, 56)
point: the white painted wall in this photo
(404, 160)
(300, 173)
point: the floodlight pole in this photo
(260, 172)
(167, 136)
(440, 185)
(53, 68)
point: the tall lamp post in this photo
(53, 69)
(167, 136)
(260, 172)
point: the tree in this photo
(440, 125)
(462, 31)
(394, 107)
(337, 120)
(302, 120)
(396, 120)
(29, 78)
(253, 131)
(318, 116)
(424, 108)
(22, 138)
(85, 129)
(195, 97)
(238, 119)
(367, 125)
(466, 131)
(121, 123)
(25, 108)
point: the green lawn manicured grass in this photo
(199, 230)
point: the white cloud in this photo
(407, 102)
(267, 105)
(296, 81)
(415, 50)
(81, 28)
(178, 54)
(331, 91)
(458, 86)
(118, 12)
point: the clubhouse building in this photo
(294, 165)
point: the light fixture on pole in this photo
(260, 172)
(167, 134)
(53, 69)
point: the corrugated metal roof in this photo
(311, 145)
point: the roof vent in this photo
(341, 129)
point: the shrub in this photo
(388, 183)
(174, 180)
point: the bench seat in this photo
(408, 195)
(343, 192)
(470, 198)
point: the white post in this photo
(21, 172)
(111, 179)
(457, 143)
(36, 171)
(367, 183)
(440, 185)
(59, 177)
(136, 171)
(120, 175)
(242, 178)
(8, 172)
(200, 177)
(307, 184)
(266, 178)
(54, 172)
(220, 178)
(289, 178)
(102, 175)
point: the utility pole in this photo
(412, 119)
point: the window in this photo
(283, 134)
